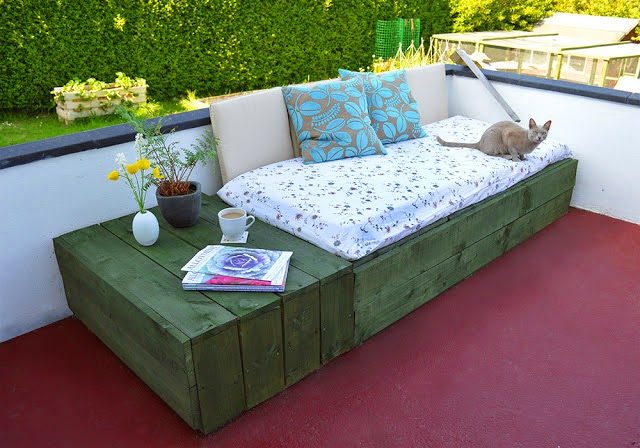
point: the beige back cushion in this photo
(429, 87)
(252, 131)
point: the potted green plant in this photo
(179, 198)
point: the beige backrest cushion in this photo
(252, 131)
(429, 87)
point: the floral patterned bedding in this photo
(352, 207)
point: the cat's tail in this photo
(457, 144)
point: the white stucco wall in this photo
(604, 137)
(44, 199)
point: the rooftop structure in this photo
(602, 65)
(591, 56)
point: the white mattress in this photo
(354, 206)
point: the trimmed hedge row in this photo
(490, 15)
(211, 46)
(219, 46)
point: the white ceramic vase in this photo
(145, 228)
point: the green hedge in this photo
(211, 46)
(221, 46)
(491, 15)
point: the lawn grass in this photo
(21, 127)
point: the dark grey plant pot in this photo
(181, 211)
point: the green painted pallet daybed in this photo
(211, 355)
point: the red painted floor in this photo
(539, 349)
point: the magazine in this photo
(207, 282)
(241, 262)
(225, 268)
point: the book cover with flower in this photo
(240, 262)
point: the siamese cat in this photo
(507, 139)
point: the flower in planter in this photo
(173, 167)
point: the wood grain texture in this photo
(253, 310)
(142, 339)
(336, 316)
(172, 252)
(390, 305)
(301, 330)
(301, 343)
(309, 258)
(333, 273)
(409, 259)
(300, 325)
(139, 310)
(220, 388)
(124, 267)
(262, 356)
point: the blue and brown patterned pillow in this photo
(331, 120)
(393, 111)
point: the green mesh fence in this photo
(391, 33)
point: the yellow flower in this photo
(113, 175)
(132, 168)
(156, 173)
(143, 164)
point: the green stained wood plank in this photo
(220, 388)
(159, 337)
(568, 166)
(301, 327)
(463, 228)
(301, 293)
(419, 255)
(311, 259)
(142, 339)
(177, 246)
(259, 314)
(336, 288)
(405, 240)
(390, 305)
(336, 317)
(561, 176)
(532, 223)
(262, 357)
(137, 277)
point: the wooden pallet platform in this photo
(211, 355)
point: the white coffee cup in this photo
(234, 222)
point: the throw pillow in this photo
(393, 111)
(331, 120)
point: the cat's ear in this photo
(532, 123)
(547, 125)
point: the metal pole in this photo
(487, 84)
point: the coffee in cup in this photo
(234, 222)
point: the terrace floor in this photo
(541, 348)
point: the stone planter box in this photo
(72, 105)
